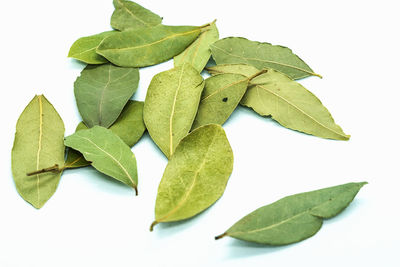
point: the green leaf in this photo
(196, 175)
(107, 153)
(242, 69)
(84, 49)
(221, 95)
(149, 46)
(293, 106)
(130, 15)
(171, 105)
(102, 91)
(198, 53)
(38, 144)
(129, 127)
(293, 218)
(237, 50)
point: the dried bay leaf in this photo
(75, 159)
(237, 50)
(196, 175)
(38, 144)
(84, 49)
(221, 94)
(148, 46)
(293, 218)
(107, 153)
(102, 91)
(293, 106)
(198, 53)
(171, 105)
(130, 15)
(242, 69)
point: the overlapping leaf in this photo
(242, 69)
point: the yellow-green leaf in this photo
(38, 144)
(242, 69)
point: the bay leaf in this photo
(196, 175)
(221, 94)
(148, 46)
(130, 15)
(237, 50)
(84, 49)
(242, 69)
(107, 153)
(171, 105)
(75, 159)
(38, 144)
(293, 218)
(102, 91)
(293, 106)
(198, 53)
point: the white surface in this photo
(94, 221)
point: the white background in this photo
(93, 221)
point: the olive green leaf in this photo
(129, 127)
(221, 95)
(38, 144)
(107, 153)
(198, 53)
(130, 15)
(237, 50)
(196, 175)
(102, 91)
(148, 46)
(243, 69)
(293, 106)
(293, 218)
(84, 49)
(171, 104)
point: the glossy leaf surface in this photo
(102, 91)
(171, 105)
(242, 69)
(196, 175)
(289, 103)
(293, 218)
(38, 144)
(148, 46)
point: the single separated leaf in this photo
(148, 46)
(237, 50)
(38, 144)
(198, 53)
(221, 95)
(196, 175)
(102, 91)
(130, 15)
(129, 127)
(242, 69)
(293, 218)
(84, 49)
(171, 105)
(107, 153)
(293, 106)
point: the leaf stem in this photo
(220, 236)
(152, 225)
(54, 168)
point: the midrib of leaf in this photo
(173, 112)
(268, 61)
(187, 194)
(133, 15)
(102, 94)
(223, 88)
(72, 163)
(87, 50)
(39, 147)
(301, 111)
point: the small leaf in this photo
(293, 218)
(171, 105)
(75, 159)
(242, 69)
(107, 153)
(221, 95)
(237, 50)
(38, 144)
(130, 15)
(102, 91)
(149, 46)
(84, 49)
(198, 53)
(196, 175)
(293, 106)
